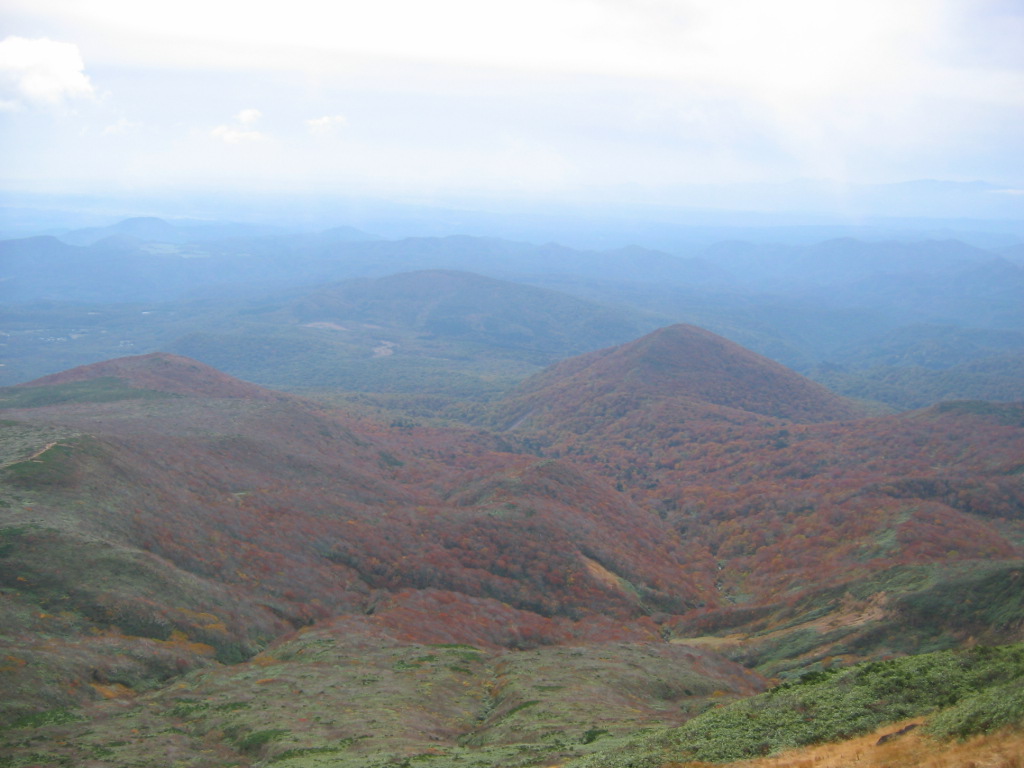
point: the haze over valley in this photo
(904, 322)
(519, 476)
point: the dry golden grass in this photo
(1003, 749)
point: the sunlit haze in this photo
(641, 101)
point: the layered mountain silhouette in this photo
(156, 230)
(466, 306)
(231, 294)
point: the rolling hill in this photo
(193, 565)
(409, 332)
(682, 365)
(774, 504)
(158, 372)
(217, 499)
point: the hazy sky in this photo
(555, 97)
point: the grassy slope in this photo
(965, 692)
(349, 694)
(901, 610)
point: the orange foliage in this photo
(112, 691)
(648, 500)
(1003, 749)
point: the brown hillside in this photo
(162, 372)
(157, 535)
(680, 362)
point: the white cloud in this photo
(41, 72)
(121, 126)
(622, 92)
(324, 125)
(235, 135)
(242, 130)
(248, 116)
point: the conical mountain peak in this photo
(686, 362)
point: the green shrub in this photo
(49, 717)
(979, 689)
(992, 709)
(252, 742)
(593, 734)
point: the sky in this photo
(643, 100)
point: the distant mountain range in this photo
(269, 306)
(159, 260)
(801, 211)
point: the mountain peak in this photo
(690, 363)
(162, 372)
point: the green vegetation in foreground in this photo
(309, 705)
(928, 607)
(333, 697)
(973, 691)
